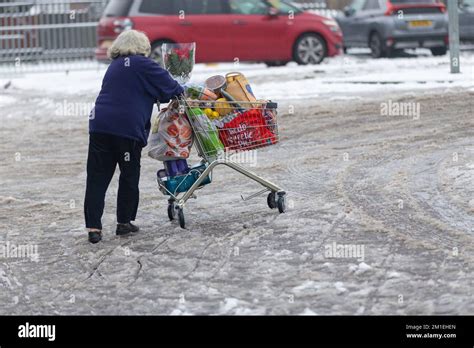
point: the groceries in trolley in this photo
(225, 116)
(243, 122)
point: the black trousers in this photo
(105, 152)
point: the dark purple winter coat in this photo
(131, 86)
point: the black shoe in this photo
(95, 237)
(124, 229)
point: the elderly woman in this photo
(119, 127)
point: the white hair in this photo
(130, 42)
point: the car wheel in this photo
(377, 48)
(156, 53)
(439, 51)
(310, 49)
(277, 63)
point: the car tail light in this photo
(390, 9)
(389, 42)
(446, 39)
(441, 6)
(121, 25)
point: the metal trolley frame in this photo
(177, 201)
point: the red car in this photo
(225, 30)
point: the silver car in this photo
(389, 25)
(466, 20)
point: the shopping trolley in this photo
(252, 125)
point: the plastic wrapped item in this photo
(220, 122)
(179, 60)
(171, 136)
(247, 131)
(197, 92)
(206, 131)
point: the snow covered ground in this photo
(380, 217)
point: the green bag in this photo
(206, 131)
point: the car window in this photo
(283, 7)
(165, 7)
(372, 5)
(468, 7)
(206, 7)
(357, 5)
(248, 7)
(118, 8)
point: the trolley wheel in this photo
(182, 222)
(171, 211)
(271, 200)
(281, 204)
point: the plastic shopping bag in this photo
(206, 131)
(171, 136)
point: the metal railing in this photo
(40, 35)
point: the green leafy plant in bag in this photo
(179, 60)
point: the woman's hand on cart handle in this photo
(174, 104)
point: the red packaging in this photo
(247, 131)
